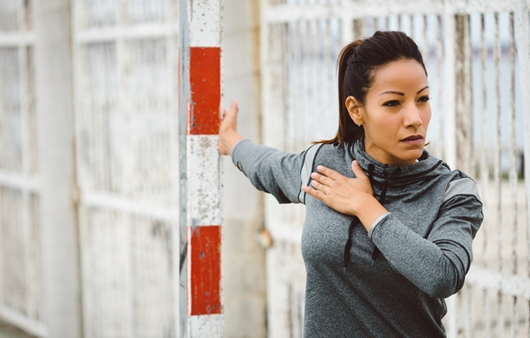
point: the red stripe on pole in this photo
(205, 81)
(205, 276)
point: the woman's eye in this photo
(424, 99)
(393, 103)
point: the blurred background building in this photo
(90, 178)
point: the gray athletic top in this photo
(398, 274)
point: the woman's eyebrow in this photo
(400, 93)
(392, 92)
(422, 89)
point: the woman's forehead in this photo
(398, 76)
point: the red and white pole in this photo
(200, 50)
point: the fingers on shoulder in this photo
(313, 192)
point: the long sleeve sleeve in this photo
(272, 171)
(436, 264)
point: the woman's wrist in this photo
(228, 141)
(369, 211)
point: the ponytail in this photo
(348, 130)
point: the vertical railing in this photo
(126, 121)
(21, 300)
(477, 55)
(200, 202)
(497, 286)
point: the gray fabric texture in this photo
(424, 243)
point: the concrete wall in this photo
(243, 259)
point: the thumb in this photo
(357, 170)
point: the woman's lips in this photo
(413, 139)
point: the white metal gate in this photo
(126, 118)
(477, 56)
(20, 260)
(146, 167)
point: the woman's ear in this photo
(355, 110)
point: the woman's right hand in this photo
(228, 135)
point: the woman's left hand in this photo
(343, 194)
(228, 135)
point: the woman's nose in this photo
(412, 117)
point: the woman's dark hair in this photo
(357, 64)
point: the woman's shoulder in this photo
(329, 155)
(327, 152)
(455, 182)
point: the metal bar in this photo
(471, 308)
(506, 283)
(513, 166)
(25, 226)
(440, 149)
(78, 123)
(295, 101)
(304, 48)
(108, 201)
(468, 106)
(463, 112)
(316, 85)
(484, 175)
(425, 48)
(126, 32)
(497, 168)
(171, 62)
(33, 327)
(450, 90)
(19, 181)
(522, 30)
(184, 85)
(293, 12)
(346, 22)
(123, 63)
(327, 75)
(16, 39)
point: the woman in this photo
(388, 227)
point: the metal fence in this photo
(477, 56)
(20, 260)
(133, 74)
(126, 128)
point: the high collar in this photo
(426, 164)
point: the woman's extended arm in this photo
(269, 170)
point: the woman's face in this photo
(396, 114)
